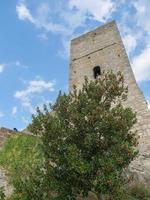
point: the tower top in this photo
(96, 30)
(100, 47)
(94, 40)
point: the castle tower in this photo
(103, 49)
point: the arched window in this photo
(96, 71)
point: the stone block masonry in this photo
(103, 47)
(4, 135)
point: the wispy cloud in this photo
(74, 14)
(149, 105)
(42, 18)
(32, 90)
(136, 35)
(141, 65)
(130, 42)
(25, 120)
(17, 63)
(2, 67)
(23, 12)
(1, 114)
(70, 16)
(99, 10)
(14, 110)
(143, 14)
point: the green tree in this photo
(88, 139)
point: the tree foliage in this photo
(87, 140)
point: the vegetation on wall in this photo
(20, 157)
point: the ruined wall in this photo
(4, 134)
(103, 47)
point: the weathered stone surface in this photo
(8, 189)
(4, 134)
(103, 47)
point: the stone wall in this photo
(4, 134)
(103, 47)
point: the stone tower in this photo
(103, 49)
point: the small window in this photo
(97, 71)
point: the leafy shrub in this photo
(89, 140)
(82, 148)
(20, 157)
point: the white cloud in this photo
(1, 67)
(1, 114)
(130, 42)
(99, 10)
(25, 121)
(23, 12)
(41, 19)
(34, 88)
(43, 36)
(141, 65)
(148, 105)
(70, 15)
(17, 63)
(14, 110)
(143, 14)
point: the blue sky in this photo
(34, 48)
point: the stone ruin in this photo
(102, 49)
(4, 135)
(91, 53)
